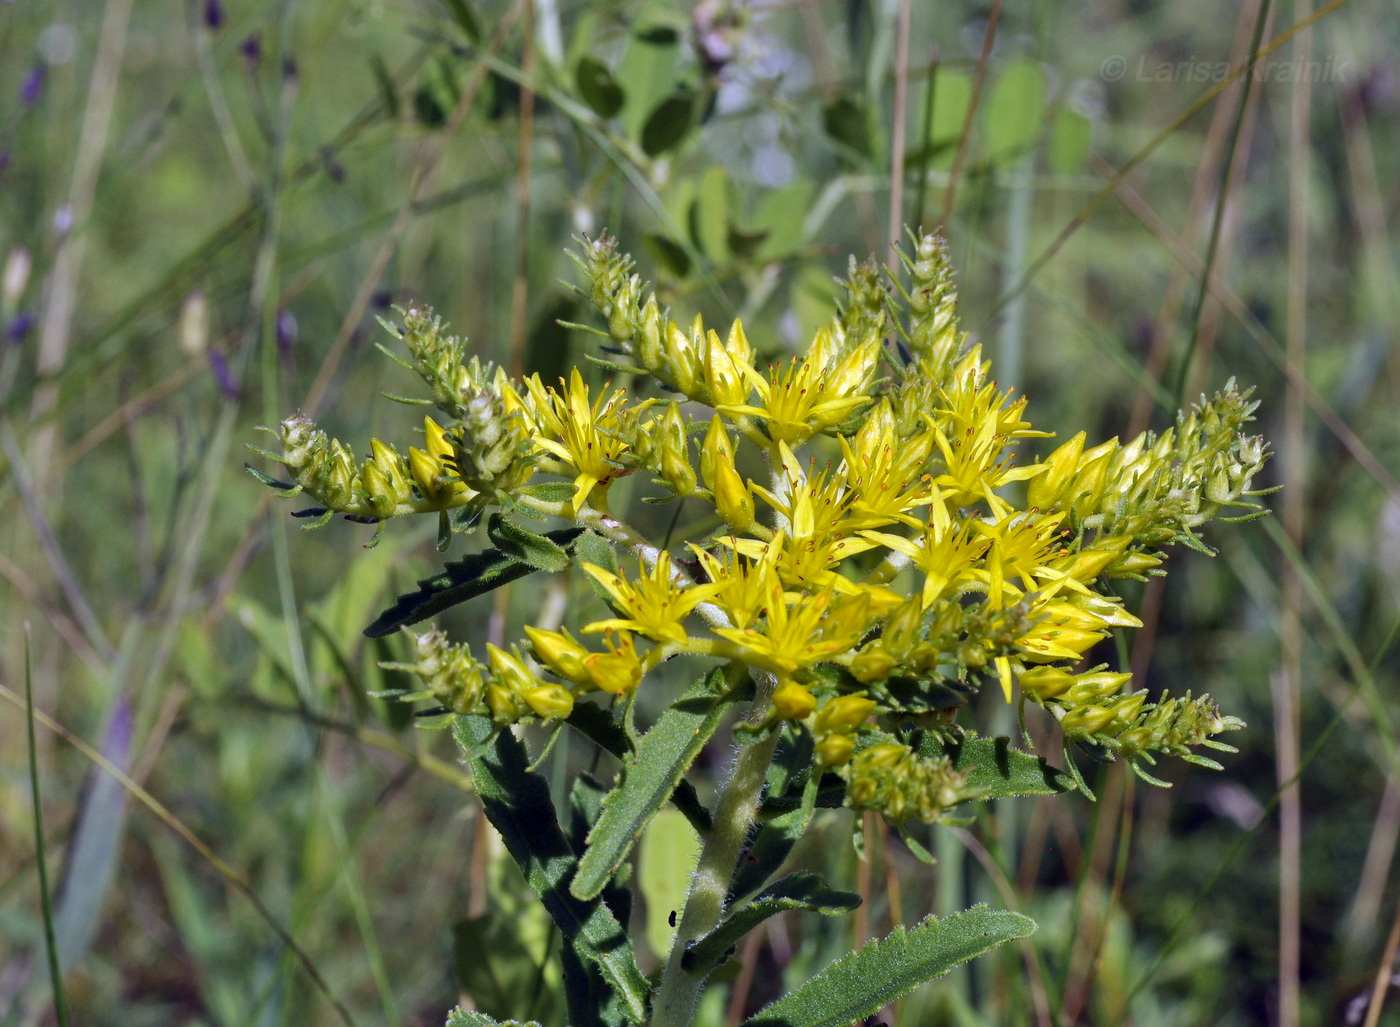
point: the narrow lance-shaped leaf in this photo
(796, 891)
(650, 776)
(864, 982)
(460, 580)
(518, 804)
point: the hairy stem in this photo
(676, 997)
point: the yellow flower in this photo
(743, 588)
(434, 469)
(655, 605)
(793, 701)
(577, 434)
(816, 628)
(947, 554)
(618, 670)
(559, 652)
(885, 473)
(727, 366)
(815, 392)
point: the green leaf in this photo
(996, 770)
(518, 804)
(1015, 110)
(460, 580)
(657, 35)
(668, 123)
(864, 982)
(768, 851)
(471, 1018)
(844, 121)
(541, 553)
(465, 19)
(667, 253)
(796, 891)
(597, 725)
(650, 776)
(496, 969)
(711, 214)
(782, 213)
(598, 88)
(666, 859)
(951, 96)
(1070, 135)
(551, 491)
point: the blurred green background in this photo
(204, 206)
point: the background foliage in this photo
(215, 199)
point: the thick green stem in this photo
(675, 999)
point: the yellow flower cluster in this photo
(868, 558)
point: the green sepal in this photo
(458, 581)
(650, 776)
(1080, 784)
(551, 491)
(612, 365)
(597, 725)
(541, 553)
(864, 982)
(803, 890)
(518, 805)
(471, 1018)
(285, 489)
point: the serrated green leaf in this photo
(650, 776)
(598, 87)
(804, 890)
(668, 123)
(471, 1018)
(518, 804)
(864, 982)
(597, 725)
(540, 552)
(995, 769)
(460, 580)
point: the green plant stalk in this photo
(60, 1002)
(704, 905)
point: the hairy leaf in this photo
(796, 891)
(460, 580)
(997, 771)
(540, 552)
(517, 803)
(862, 983)
(650, 776)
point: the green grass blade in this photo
(60, 1002)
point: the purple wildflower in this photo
(32, 85)
(251, 49)
(20, 326)
(223, 374)
(213, 14)
(286, 331)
